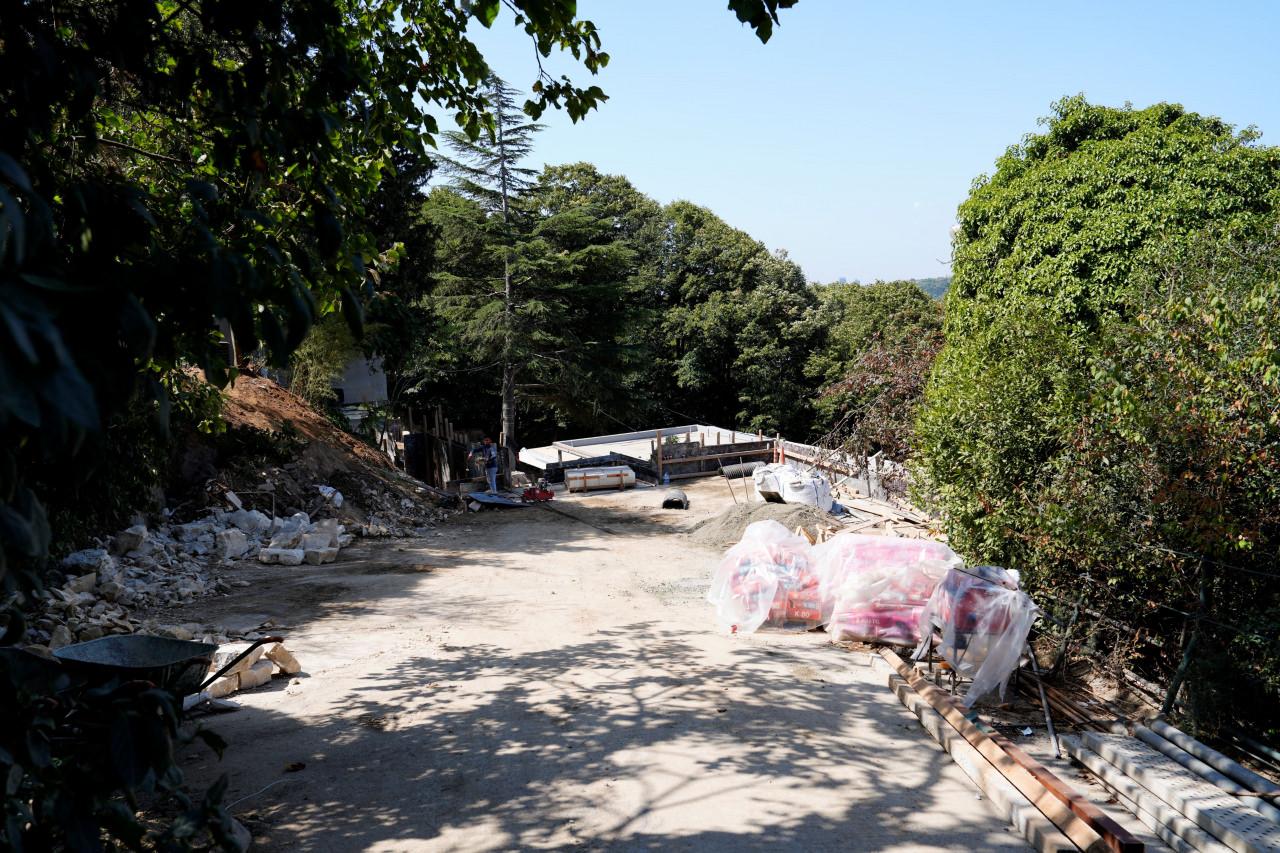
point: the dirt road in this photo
(526, 680)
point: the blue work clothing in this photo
(489, 455)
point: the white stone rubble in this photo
(170, 565)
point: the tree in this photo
(875, 345)
(544, 306)
(1054, 263)
(1044, 261)
(733, 339)
(488, 171)
(167, 169)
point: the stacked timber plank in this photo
(1048, 812)
(870, 515)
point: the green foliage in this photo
(936, 287)
(733, 337)
(122, 470)
(317, 364)
(72, 758)
(760, 14)
(167, 170)
(875, 344)
(1102, 401)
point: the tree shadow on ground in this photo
(636, 738)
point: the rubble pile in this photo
(286, 488)
(141, 568)
(258, 667)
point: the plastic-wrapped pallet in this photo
(878, 586)
(766, 580)
(983, 619)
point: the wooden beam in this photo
(1080, 833)
(658, 453)
(1116, 836)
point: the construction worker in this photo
(488, 457)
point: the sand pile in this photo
(725, 529)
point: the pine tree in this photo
(487, 170)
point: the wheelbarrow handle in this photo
(244, 654)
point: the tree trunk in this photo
(509, 445)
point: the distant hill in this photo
(935, 287)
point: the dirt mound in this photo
(276, 454)
(260, 403)
(725, 529)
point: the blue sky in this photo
(852, 136)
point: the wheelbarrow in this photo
(178, 666)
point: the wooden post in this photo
(658, 453)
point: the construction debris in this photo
(780, 482)
(1161, 786)
(257, 668)
(724, 530)
(1041, 818)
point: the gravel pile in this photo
(725, 529)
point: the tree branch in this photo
(136, 150)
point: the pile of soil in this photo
(278, 450)
(725, 529)
(259, 403)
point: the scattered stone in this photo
(329, 528)
(320, 556)
(311, 541)
(227, 653)
(283, 658)
(257, 675)
(282, 556)
(130, 539)
(176, 632)
(231, 543)
(194, 530)
(252, 522)
(288, 537)
(93, 632)
(60, 637)
(40, 651)
(89, 560)
(84, 583)
(224, 686)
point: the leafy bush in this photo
(1104, 404)
(875, 344)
